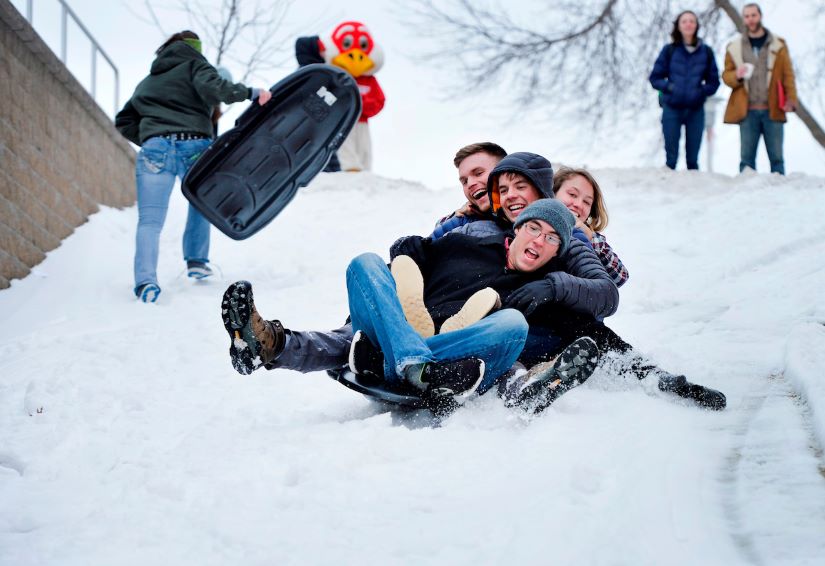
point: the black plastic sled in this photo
(250, 173)
(350, 380)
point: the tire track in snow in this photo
(769, 471)
(741, 537)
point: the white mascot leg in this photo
(355, 154)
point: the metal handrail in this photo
(66, 11)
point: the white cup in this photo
(748, 70)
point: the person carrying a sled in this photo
(170, 117)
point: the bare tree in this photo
(247, 34)
(591, 57)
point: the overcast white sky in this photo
(417, 133)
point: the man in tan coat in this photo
(758, 69)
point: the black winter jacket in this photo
(179, 95)
(456, 266)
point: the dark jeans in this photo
(759, 123)
(545, 342)
(693, 119)
(308, 351)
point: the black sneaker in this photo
(703, 396)
(255, 341)
(457, 379)
(547, 381)
(365, 359)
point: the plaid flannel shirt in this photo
(612, 264)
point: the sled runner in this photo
(250, 173)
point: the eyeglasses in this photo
(534, 230)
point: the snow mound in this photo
(127, 438)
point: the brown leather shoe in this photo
(255, 341)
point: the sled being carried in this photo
(250, 173)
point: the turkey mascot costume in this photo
(351, 48)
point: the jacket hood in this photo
(175, 54)
(536, 168)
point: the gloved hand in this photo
(531, 296)
(413, 246)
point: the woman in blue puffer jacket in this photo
(685, 74)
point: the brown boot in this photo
(409, 284)
(255, 341)
(479, 305)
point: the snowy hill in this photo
(126, 438)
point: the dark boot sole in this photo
(572, 367)
(236, 312)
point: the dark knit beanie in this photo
(555, 214)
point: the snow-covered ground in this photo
(126, 438)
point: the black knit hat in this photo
(555, 214)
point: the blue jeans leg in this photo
(375, 310)
(196, 233)
(749, 131)
(497, 339)
(694, 128)
(155, 177)
(774, 134)
(671, 129)
(196, 237)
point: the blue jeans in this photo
(161, 160)
(693, 119)
(756, 123)
(375, 310)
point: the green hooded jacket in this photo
(178, 96)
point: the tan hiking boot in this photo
(254, 341)
(479, 305)
(409, 284)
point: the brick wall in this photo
(60, 155)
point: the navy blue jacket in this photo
(685, 79)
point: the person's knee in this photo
(364, 263)
(514, 322)
(149, 221)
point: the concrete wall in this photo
(60, 155)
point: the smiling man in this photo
(474, 163)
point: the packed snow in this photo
(126, 438)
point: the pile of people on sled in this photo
(508, 294)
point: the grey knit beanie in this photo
(555, 214)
